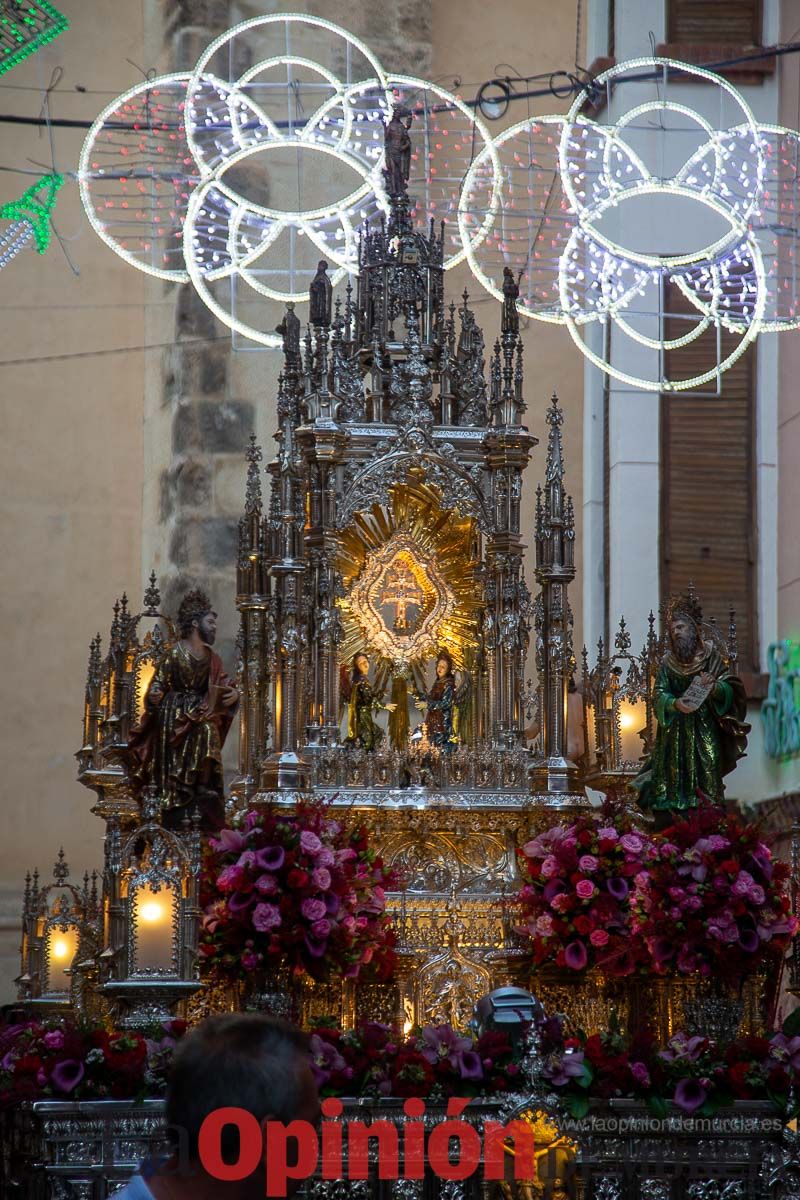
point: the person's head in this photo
(242, 1060)
(196, 612)
(360, 664)
(444, 665)
(683, 636)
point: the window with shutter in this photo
(712, 31)
(736, 22)
(708, 495)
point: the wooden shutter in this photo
(708, 495)
(730, 22)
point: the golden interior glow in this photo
(437, 548)
(632, 718)
(62, 945)
(154, 910)
(150, 912)
(146, 672)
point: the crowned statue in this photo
(363, 701)
(700, 708)
(188, 710)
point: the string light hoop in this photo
(705, 177)
(516, 178)
(135, 176)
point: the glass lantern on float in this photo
(150, 959)
(58, 921)
(116, 685)
(618, 716)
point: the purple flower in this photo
(239, 903)
(229, 840)
(561, 1068)
(469, 1065)
(309, 842)
(271, 858)
(786, 1050)
(67, 1075)
(321, 878)
(576, 956)
(441, 1042)
(689, 1095)
(640, 1073)
(321, 929)
(631, 843)
(332, 903)
(682, 1047)
(325, 1059)
(617, 886)
(54, 1040)
(313, 910)
(662, 950)
(762, 860)
(317, 948)
(749, 941)
(266, 917)
(267, 885)
(742, 884)
(553, 888)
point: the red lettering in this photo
(469, 1145)
(388, 1149)
(332, 1139)
(279, 1170)
(209, 1144)
(495, 1137)
(414, 1140)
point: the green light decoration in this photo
(31, 218)
(780, 711)
(26, 26)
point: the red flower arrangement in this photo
(695, 1074)
(433, 1063)
(576, 897)
(295, 888)
(711, 898)
(63, 1061)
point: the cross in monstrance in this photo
(401, 589)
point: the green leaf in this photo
(657, 1105)
(577, 1106)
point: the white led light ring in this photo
(86, 174)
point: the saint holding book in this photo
(700, 709)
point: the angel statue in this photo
(700, 708)
(362, 701)
(188, 709)
(442, 702)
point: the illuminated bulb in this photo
(60, 948)
(151, 912)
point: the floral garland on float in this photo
(296, 889)
(703, 897)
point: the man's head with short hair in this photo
(242, 1060)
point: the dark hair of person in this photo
(235, 1060)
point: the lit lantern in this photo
(58, 924)
(149, 960)
(618, 714)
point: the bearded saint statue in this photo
(188, 710)
(700, 709)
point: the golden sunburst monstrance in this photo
(435, 552)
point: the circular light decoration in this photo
(569, 183)
(241, 174)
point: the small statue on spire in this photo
(510, 319)
(320, 296)
(289, 329)
(397, 142)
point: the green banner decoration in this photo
(780, 711)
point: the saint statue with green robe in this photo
(700, 709)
